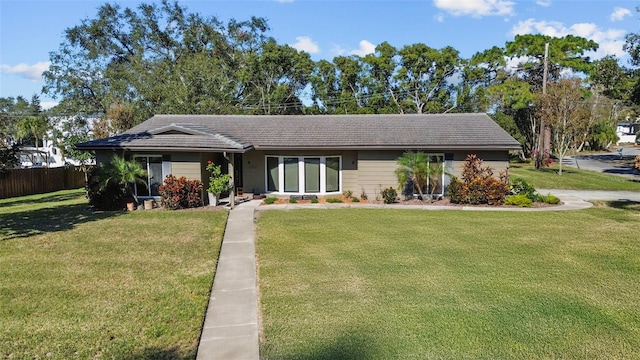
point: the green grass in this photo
(407, 284)
(78, 284)
(571, 178)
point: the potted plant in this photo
(124, 173)
(218, 182)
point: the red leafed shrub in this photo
(180, 193)
(478, 185)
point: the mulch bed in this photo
(440, 202)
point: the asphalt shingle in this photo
(239, 132)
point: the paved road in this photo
(610, 163)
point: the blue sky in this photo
(31, 29)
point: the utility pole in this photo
(545, 74)
(544, 136)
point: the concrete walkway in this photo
(231, 324)
(594, 194)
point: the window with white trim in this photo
(303, 174)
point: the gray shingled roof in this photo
(238, 133)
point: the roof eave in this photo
(391, 147)
(163, 149)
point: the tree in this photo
(563, 108)
(33, 126)
(483, 70)
(12, 110)
(423, 75)
(565, 54)
(9, 157)
(275, 77)
(159, 58)
(382, 88)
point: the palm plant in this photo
(435, 171)
(124, 173)
(413, 166)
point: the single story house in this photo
(321, 155)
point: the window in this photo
(272, 174)
(153, 165)
(302, 174)
(312, 175)
(435, 183)
(291, 175)
(333, 174)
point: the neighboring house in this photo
(47, 155)
(322, 155)
(626, 132)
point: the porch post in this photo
(232, 193)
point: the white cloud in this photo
(610, 40)
(439, 18)
(476, 8)
(46, 105)
(32, 72)
(544, 3)
(365, 48)
(304, 43)
(619, 14)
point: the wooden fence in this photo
(21, 182)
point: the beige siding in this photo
(376, 171)
(350, 172)
(497, 160)
(187, 165)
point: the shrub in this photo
(180, 193)
(355, 200)
(333, 200)
(478, 185)
(389, 195)
(496, 191)
(455, 190)
(218, 182)
(314, 200)
(521, 187)
(105, 198)
(363, 195)
(269, 200)
(549, 199)
(518, 200)
(293, 200)
(636, 162)
(347, 194)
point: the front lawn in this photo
(78, 284)
(408, 284)
(571, 178)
